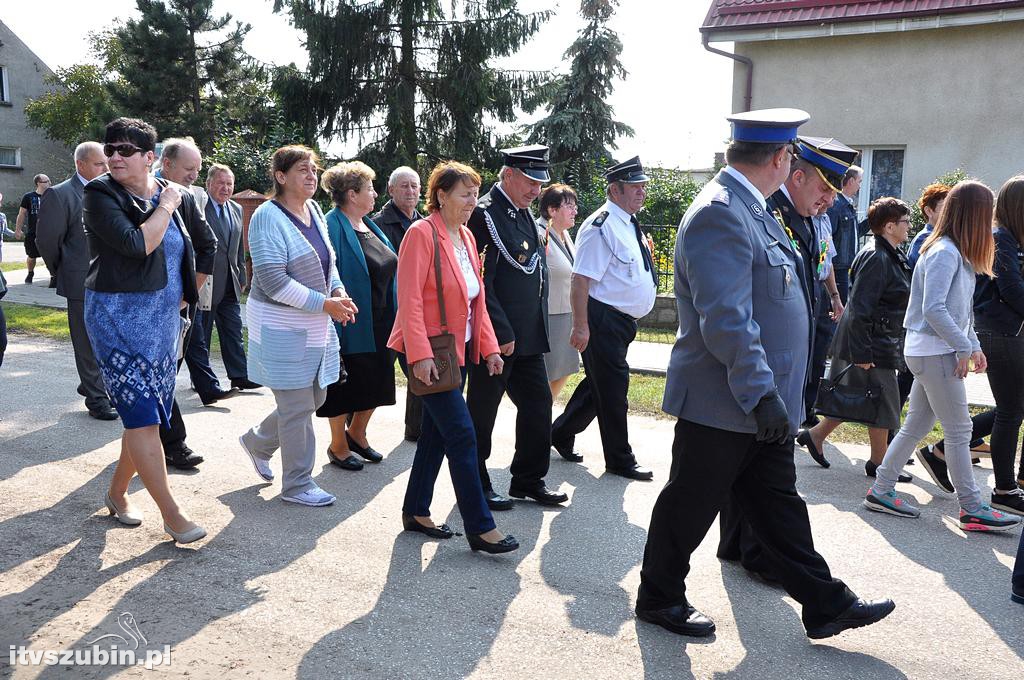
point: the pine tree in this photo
(408, 77)
(580, 127)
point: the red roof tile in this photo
(753, 14)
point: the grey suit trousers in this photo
(85, 360)
(290, 428)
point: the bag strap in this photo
(835, 380)
(437, 278)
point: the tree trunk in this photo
(405, 100)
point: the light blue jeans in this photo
(937, 393)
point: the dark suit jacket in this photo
(516, 301)
(843, 217)
(229, 265)
(806, 239)
(390, 221)
(60, 237)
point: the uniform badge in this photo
(522, 258)
(526, 246)
(756, 209)
(511, 213)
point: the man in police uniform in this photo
(735, 382)
(614, 283)
(516, 280)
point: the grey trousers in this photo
(85, 361)
(290, 428)
(936, 393)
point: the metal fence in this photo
(664, 237)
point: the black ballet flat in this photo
(507, 544)
(349, 463)
(367, 452)
(440, 531)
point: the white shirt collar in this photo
(741, 178)
(785, 192)
(502, 190)
(618, 212)
(850, 199)
(81, 179)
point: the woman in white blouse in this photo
(558, 215)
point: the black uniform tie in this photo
(648, 261)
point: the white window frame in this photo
(867, 157)
(17, 157)
(5, 87)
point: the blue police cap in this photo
(531, 160)
(629, 172)
(830, 157)
(767, 126)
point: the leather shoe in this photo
(245, 384)
(367, 452)
(633, 472)
(566, 451)
(217, 395)
(542, 494)
(804, 440)
(183, 459)
(497, 502)
(103, 413)
(81, 390)
(870, 468)
(681, 618)
(860, 613)
(409, 523)
(349, 463)
(507, 544)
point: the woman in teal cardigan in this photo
(367, 264)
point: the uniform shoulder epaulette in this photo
(599, 220)
(722, 196)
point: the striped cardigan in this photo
(291, 339)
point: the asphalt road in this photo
(283, 591)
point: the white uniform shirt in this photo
(610, 256)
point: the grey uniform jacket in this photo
(744, 316)
(229, 264)
(60, 237)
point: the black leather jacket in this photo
(999, 302)
(118, 260)
(871, 330)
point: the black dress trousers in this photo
(603, 392)
(709, 464)
(525, 379)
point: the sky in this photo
(676, 95)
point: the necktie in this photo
(648, 261)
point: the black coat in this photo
(999, 302)
(871, 329)
(119, 263)
(806, 240)
(517, 302)
(393, 223)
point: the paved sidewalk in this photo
(281, 591)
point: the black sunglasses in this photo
(124, 150)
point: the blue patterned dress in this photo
(135, 338)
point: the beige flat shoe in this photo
(132, 519)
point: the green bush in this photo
(950, 178)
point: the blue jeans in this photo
(448, 431)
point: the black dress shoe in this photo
(183, 459)
(217, 395)
(870, 469)
(860, 613)
(245, 384)
(634, 472)
(804, 440)
(350, 463)
(367, 452)
(440, 531)
(507, 544)
(497, 502)
(681, 618)
(81, 390)
(566, 451)
(411, 436)
(542, 494)
(103, 413)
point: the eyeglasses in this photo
(905, 219)
(124, 150)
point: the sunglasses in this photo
(124, 150)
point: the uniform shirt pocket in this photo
(781, 273)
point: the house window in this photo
(10, 157)
(5, 90)
(883, 175)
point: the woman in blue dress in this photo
(141, 276)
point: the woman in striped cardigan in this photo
(293, 348)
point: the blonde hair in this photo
(339, 179)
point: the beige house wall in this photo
(953, 97)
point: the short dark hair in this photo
(444, 177)
(554, 196)
(853, 172)
(134, 130)
(286, 157)
(885, 210)
(751, 153)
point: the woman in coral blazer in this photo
(447, 429)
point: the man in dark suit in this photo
(60, 237)
(516, 281)
(229, 279)
(843, 216)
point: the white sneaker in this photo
(314, 496)
(262, 466)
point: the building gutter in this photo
(748, 93)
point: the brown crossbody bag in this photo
(449, 377)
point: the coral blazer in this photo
(419, 315)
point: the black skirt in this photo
(371, 378)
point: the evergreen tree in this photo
(580, 127)
(408, 76)
(170, 74)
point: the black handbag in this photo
(449, 376)
(857, 403)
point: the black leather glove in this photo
(772, 419)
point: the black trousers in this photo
(525, 380)
(227, 315)
(173, 437)
(708, 466)
(197, 355)
(85, 361)
(1006, 378)
(603, 392)
(824, 329)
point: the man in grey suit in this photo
(229, 283)
(735, 382)
(60, 237)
